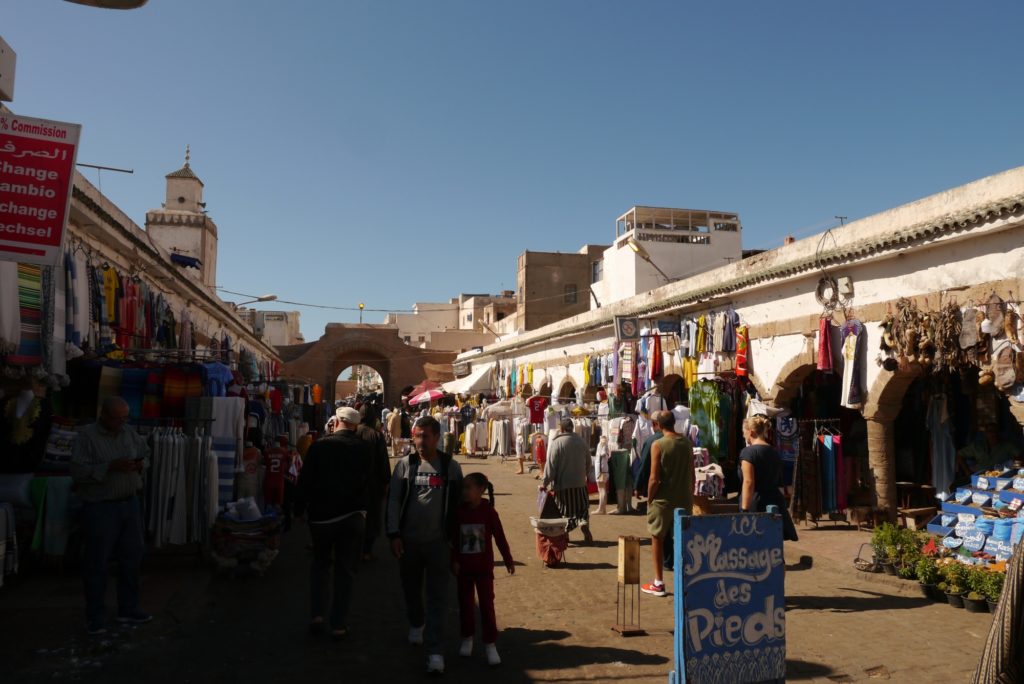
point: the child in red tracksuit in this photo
(477, 523)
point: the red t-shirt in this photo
(537, 406)
(277, 462)
(275, 400)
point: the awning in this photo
(477, 381)
(186, 261)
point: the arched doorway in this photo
(673, 389)
(358, 380)
(566, 392)
(545, 390)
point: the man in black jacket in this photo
(381, 476)
(334, 485)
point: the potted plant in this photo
(977, 580)
(994, 589)
(928, 577)
(908, 564)
(885, 541)
(956, 582)
(878, 542)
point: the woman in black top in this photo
(761, 473)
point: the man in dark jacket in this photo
(380, 476)
(334, 487)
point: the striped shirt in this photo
(94, 449)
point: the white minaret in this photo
(182, 227)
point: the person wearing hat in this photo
(333, 491)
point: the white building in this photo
(276, 328)
(456, 325)
(426, 318)
(654, 246)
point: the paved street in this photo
(842, 626)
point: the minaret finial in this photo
(187, 155)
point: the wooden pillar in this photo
(882, 459)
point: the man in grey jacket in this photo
(423, 498)
(567, 470)
(107, 463)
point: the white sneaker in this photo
(435, 664)
(466, 649)
(416, 635)
(492, 654)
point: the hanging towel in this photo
(825, 345)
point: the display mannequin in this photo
(682, 414)
(651, 401)
(536, 404)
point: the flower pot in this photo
(975, 605)
(992, 605)
(930, 591)
(955, 600)
(888, 568)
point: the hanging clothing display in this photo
(943, 449)
(853, 347)
(825, 345)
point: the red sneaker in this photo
(654, 589)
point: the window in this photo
(596, 271)
(726, 225)
(407, 339)
(423, 338)
(469, 318)
(570, 293)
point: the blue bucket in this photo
(985, 525)
(1003, 529)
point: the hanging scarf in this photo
(656, 367)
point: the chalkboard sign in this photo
(730, 599)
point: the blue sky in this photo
(389, 152)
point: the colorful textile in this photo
(825, 345)
(742, 346)
(151, 394)
(175, 390)
(30, 303)
(133, 387)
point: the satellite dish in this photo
(111, 4)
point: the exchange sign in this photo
(37, 166)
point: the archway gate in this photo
(379, 347)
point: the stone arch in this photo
(791, 379)
(567, 388)
(379, 347)
(545, 389)
(885, 399)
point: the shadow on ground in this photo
(870, 600)
(798, 670)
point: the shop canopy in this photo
(477, 381)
